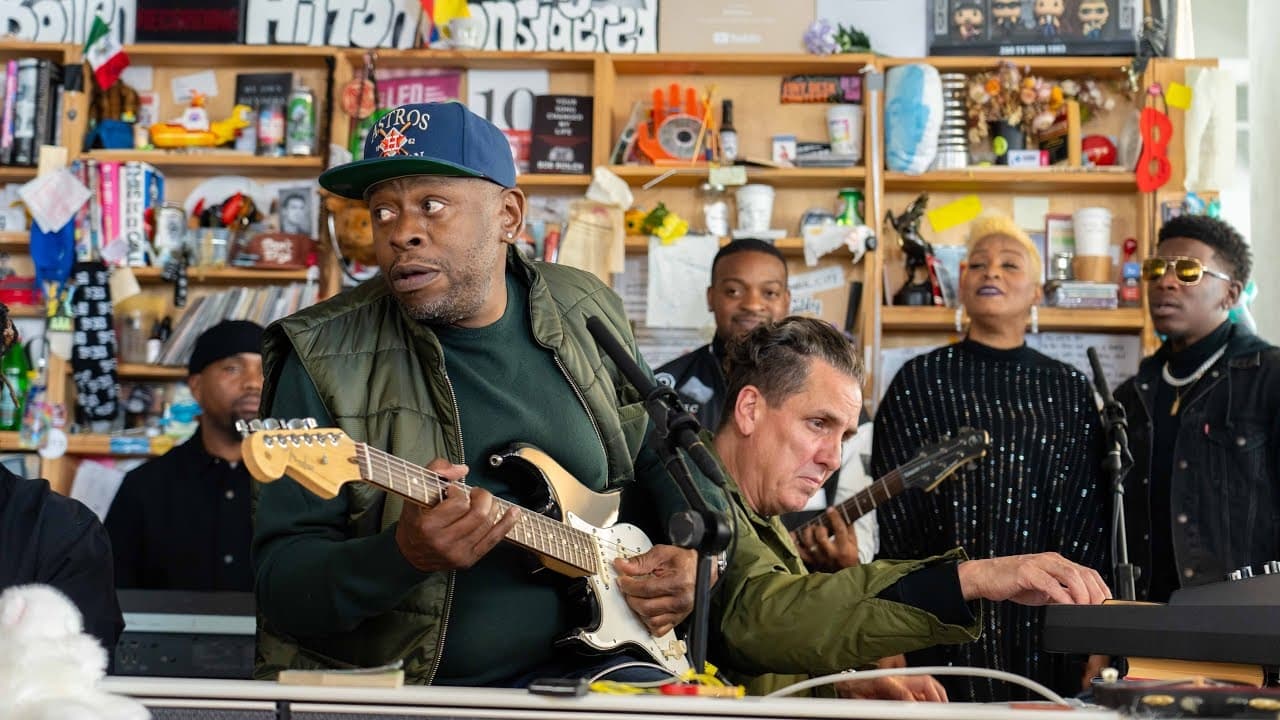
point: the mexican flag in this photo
(105, 54)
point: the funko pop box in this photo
(1014, 28)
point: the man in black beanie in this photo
(181, 521)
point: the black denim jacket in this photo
(1225, 487)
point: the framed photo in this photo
(1059, 237)
(1037, 239)
(296, 208)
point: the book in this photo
(561, 135)
(25, 146)
(1166, 669)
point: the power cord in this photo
(935, 670)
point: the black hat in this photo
(227, 338)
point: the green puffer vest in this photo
(381, 375)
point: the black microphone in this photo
(678, 422)
(1099, 377)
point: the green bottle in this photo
(15, 368)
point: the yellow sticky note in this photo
(728, 175)
(1178, 96)
(956, 213)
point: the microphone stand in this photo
(700, 528)
(1117, 463)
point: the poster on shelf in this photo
(337, 23)
(66, 21)
(611, 26)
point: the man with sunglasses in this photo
(1203, 497)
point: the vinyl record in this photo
(678, 134)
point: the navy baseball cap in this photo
(426, 139)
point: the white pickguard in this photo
(619, 626)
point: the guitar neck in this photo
(864, 501)
(545, 536)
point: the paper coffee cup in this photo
(755, 207)
(844, 128)
(1092, 229)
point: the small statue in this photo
(919, 255)
(1049, 17)
(1093, 16)
(968, 18)
(1007, 17)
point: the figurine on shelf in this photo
(967, 16)
(1092, 16)
(193, 128)
(1048, 15)
(1006, 16)
(919, 256)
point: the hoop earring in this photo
(1035, 319)
(959, 319)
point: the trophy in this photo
(920, 288)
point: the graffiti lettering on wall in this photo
(65, 21)
(615, 26)
(342, 23)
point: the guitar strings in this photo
(417, 476)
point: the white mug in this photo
(844, 128)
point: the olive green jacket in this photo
(381, 376)
(778, 624)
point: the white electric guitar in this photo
(577, 536)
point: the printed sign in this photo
(340, 23)
(65, 21)
(613, 26)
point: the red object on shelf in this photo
(18, 290)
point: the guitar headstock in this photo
(321, 459)
(938, 461)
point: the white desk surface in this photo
(508, 703)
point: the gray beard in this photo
(463, 302)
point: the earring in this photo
(510, 235)
(959, 319)
(1035, 319)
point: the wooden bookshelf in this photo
(548, 180)
(16, 173)
(211, 160)
(692, 176)
(15, 241)
(224, 276)
(1120, 320)
(1003, 179)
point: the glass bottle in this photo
(16, 369)
(715, 209)
(728, 136)
(850, 207)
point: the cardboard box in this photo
(733, 26)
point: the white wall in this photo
(1264, 161)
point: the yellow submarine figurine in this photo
(193, 128)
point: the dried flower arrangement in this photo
(1009, 95)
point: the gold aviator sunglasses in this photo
(1188, 270)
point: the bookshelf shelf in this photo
(143, 371)
(691, 176)
(27, 311)
(16, 173)
(667, 64)
(1051, 319)
(202, 160)
(481, 59)
(15, 241)
(227, 56)
(992, 179)
(637, 244)
(541, 180)
(100, 444)
(9, 442)
(230, 276)
(1050, 66)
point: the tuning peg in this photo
(296, 424)
(255, 425)
(310, 423)
(271, 424)
(242, 427)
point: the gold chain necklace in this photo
(1186, 383)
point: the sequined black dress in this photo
(1039, 488)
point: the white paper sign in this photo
(204, 82)
(678, 281)
(612, 26)
(54, 198)
(95, 485)
(816, 281)
(892, 360)
(341, 23)
(66, 21)
(805, 305)
(1119, 354)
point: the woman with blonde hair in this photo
(1040, 487)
